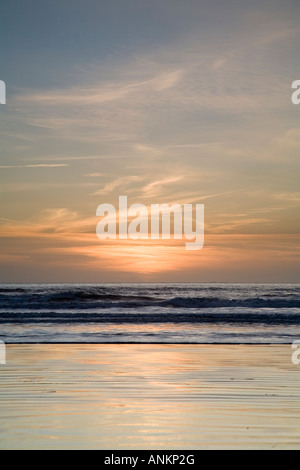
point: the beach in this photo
(150, 227)
(139, 396)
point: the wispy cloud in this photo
(41, 165)
(123, 183)
(38, 186)
(192, 78)
(95, 175)
(154, 188)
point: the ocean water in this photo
(150, 313)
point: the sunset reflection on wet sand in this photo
(149, 397)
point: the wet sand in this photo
(149, 397)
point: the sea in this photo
(150, 313)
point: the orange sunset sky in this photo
(162, 101)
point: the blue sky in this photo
(38, 37)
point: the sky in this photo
(165, 101)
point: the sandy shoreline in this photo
(149, 397)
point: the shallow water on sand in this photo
(149, 397)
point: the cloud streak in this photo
(40, 165)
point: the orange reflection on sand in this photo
(149, 396)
